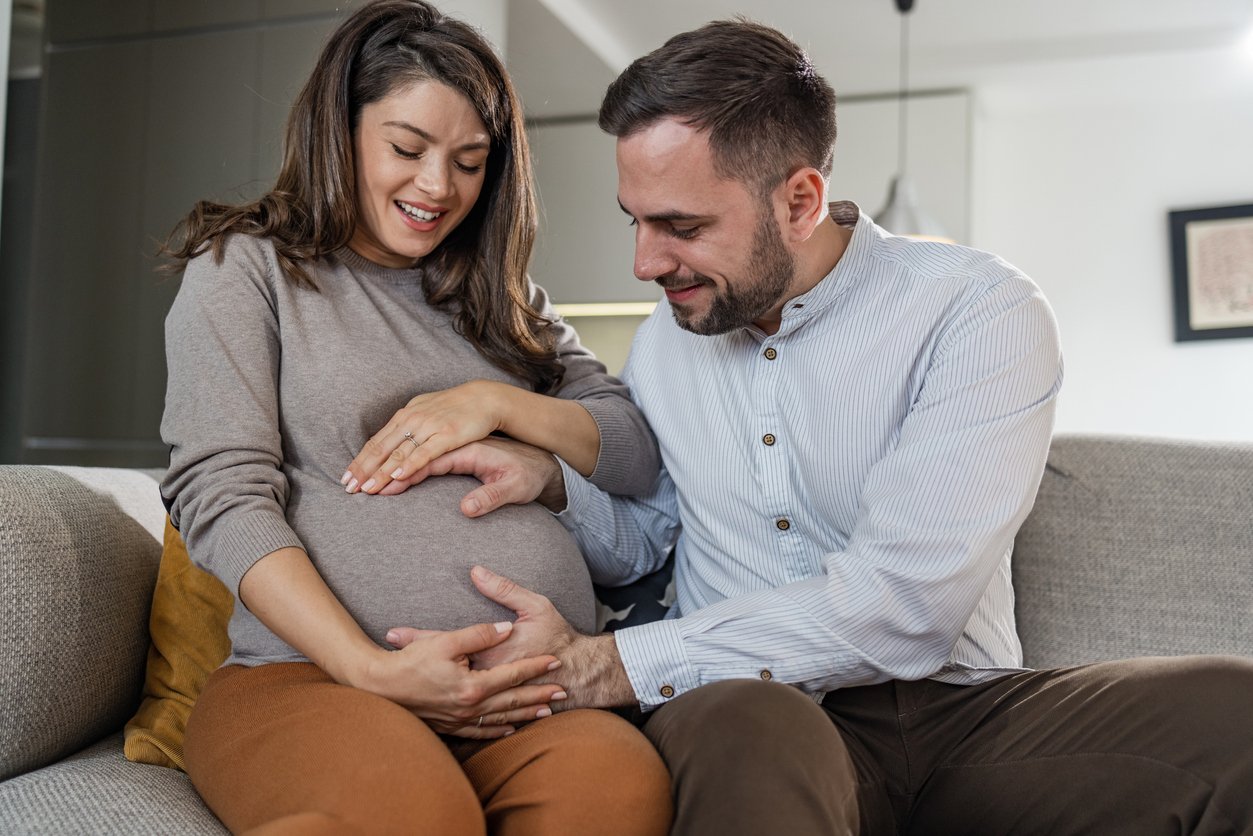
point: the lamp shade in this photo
(902, 215)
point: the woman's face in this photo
(421, 154)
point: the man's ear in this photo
(805, 194)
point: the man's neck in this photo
(816, 257)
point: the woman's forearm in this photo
(431, 675)
(435, 423)
(560, 426)
(285, 591)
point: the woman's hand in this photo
(440, 422)
(426, 428)
(432, 677)
(593, 669)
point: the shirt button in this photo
(768, 439)
(770, 353)
(667, 691)
(766, 675)
(782, 525)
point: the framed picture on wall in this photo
(1212, 259)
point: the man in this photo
(853, 427)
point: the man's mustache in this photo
(675, 282)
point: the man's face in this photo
(713, 244)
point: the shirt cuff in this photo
(656, 662)
(582, 511)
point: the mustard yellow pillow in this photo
(190, 611)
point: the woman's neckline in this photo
(358, 263)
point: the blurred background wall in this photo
(1057, 135)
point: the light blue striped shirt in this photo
(842, 495)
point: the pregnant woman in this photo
(389, 260)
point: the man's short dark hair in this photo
(766, 109)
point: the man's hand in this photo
(432, 676)
(512, 473)
(591, 670)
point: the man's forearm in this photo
(596, 677)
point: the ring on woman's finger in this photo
(409, 437)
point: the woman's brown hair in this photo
(479, 271)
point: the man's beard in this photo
(774, 268)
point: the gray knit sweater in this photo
(272, 391)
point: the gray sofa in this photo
(1135, 547)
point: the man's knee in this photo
(747, 700)
(1207, 689)
(716, 741)
(740, 717)
(1222, 681)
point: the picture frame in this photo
(1212, 267)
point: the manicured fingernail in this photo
(352, 486)
(369, 484)
(560, 695)
(554, 664)
(343, 480)
(504, 626)
(393, 636)
(398, 472)
(472, 505)
(506, 734)
(481, 573)
(543, 712)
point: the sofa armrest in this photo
(78, 561)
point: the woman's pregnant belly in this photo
(405, 560)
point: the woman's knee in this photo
(582, 771)
(606, 759)
(284, 742)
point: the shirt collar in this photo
(852, 263)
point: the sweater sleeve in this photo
(225, 489)
(629, 461)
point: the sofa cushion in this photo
(77, 566)
(190, 613)
(1137, 547)
(99, 792)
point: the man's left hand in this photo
(512, 473)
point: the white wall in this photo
(938, 161)
(488, 15)
(1075, 168)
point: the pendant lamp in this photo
(902, 213)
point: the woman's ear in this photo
(805, 192)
